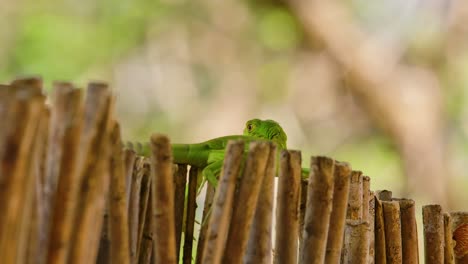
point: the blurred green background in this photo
(200, 69)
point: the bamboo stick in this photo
(302, 208)
(356, 241)
(118, 218)
(19, 140)
(433, 234)
(341, 180)
(449, 254)
(145, 253)
(219, 221)
(460, 235)
(134, 207)
(145, 186)
(379, 231)
(180, 180)
(103, 254)
(69, 174)
(190, 215)
(60, 112)
(39, 172)
(354, 211)
(6, 94)
(129, 158)
(287, 211)
(95, 184)
(391, 210)
(409, 232)
(163, 200)
(209, 199)
(319, 206)
(371, 259)
(365, 197)
(244, 207)
(27, 223)
(259, 247)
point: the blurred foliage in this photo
(62, 40)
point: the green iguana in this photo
(209, 155)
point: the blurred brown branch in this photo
(405, 101)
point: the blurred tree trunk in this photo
(403, 101)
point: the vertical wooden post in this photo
(391, 210)
(244, 207)
(409, 232)
(319, 206)
(218, 226)
(338, 215)
(190, 215)
(287, 214)
(118, 218)
(180, 180)
(163, 200)
(433, 234)
(379, 231)
(449, 254)
(259, 247)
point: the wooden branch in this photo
(365, 197)
(129, 159)
(244, 207)
(118, 218)
(409, 232)
(449, 254)
(27, 226)
(69, 181)
(379, 231)
(39, 175)
(341, 179)
(163, 200)
(209, 199)
(319, 206)
(14, 172)
(372, 198)
(220, 219)
(355, 202)
(145, 186)
(259, 247)
(134, 207)
(392, 220)
(190, 215)
(145, 253)
(302, 208)
(60, 112)
(433, 221)
(180, 180)
(287, 202)
(95, 175)
(356, 241)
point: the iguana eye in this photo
(249, 127)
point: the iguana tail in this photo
(181, 153)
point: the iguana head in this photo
(266, 129)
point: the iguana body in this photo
(209, 155)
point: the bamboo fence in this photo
(70, 193)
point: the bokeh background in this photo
(382, 84)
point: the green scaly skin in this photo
(209, 155)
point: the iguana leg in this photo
(211, 172)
